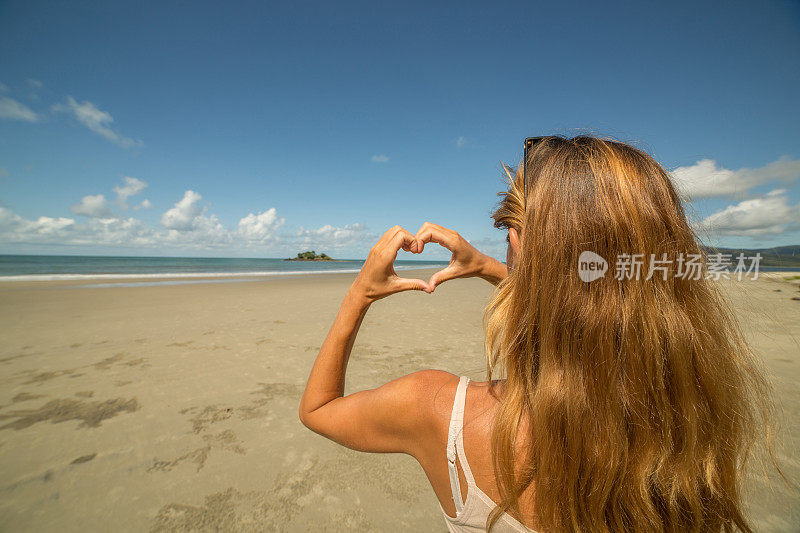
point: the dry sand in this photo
(175, 407)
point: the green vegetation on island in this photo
(310, 256)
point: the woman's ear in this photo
(513, 240)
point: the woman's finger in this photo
(402, 239)
(433, 233)
(446, 274)
(388, 235)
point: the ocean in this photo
(85, 267)
(177, 270)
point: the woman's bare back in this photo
(481, 407)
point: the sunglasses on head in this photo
(530, 142)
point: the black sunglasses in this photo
(530, 142)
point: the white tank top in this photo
(471, 514)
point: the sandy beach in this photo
(174, 407)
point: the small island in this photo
(310, 256)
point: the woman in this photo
(626, 403)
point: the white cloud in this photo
(52, 226)
(185, 214)
(3, 87)
(380, 158)
(8, 219)
(115, 231)
(44, 227)
(707, 179)
(331, 237)
(260, 227)
(207, 234)
(770, 214)
(185, 226)
(65, 231)
(461, 142)
(96, 120)
(204, 232)
(131, 187)
(12, 110)
(145, 204)
(92, 206)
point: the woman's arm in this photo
(393, 417)
(493, 270)
(326, 381)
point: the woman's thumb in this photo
(443, 275)
(407, 284)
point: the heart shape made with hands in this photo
(464, 258)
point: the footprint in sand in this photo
(84, 459)
(25, 396)
(12, 357)
(225, 440)
(91, 414)
(47, 376)
(181, 344)
(106, 363)
(304, 482)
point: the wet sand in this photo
(135, 408)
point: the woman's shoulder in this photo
(434, 392)
(431, 387)
(431, 393)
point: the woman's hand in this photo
(466, 261)
(377, 278)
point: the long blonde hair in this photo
(628, 405)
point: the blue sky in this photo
(262, 129)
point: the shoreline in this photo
(188, 278)
(125, 282)
(134, 280)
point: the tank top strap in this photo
(462, 455)
(455, 445)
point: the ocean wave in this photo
(194, 275)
